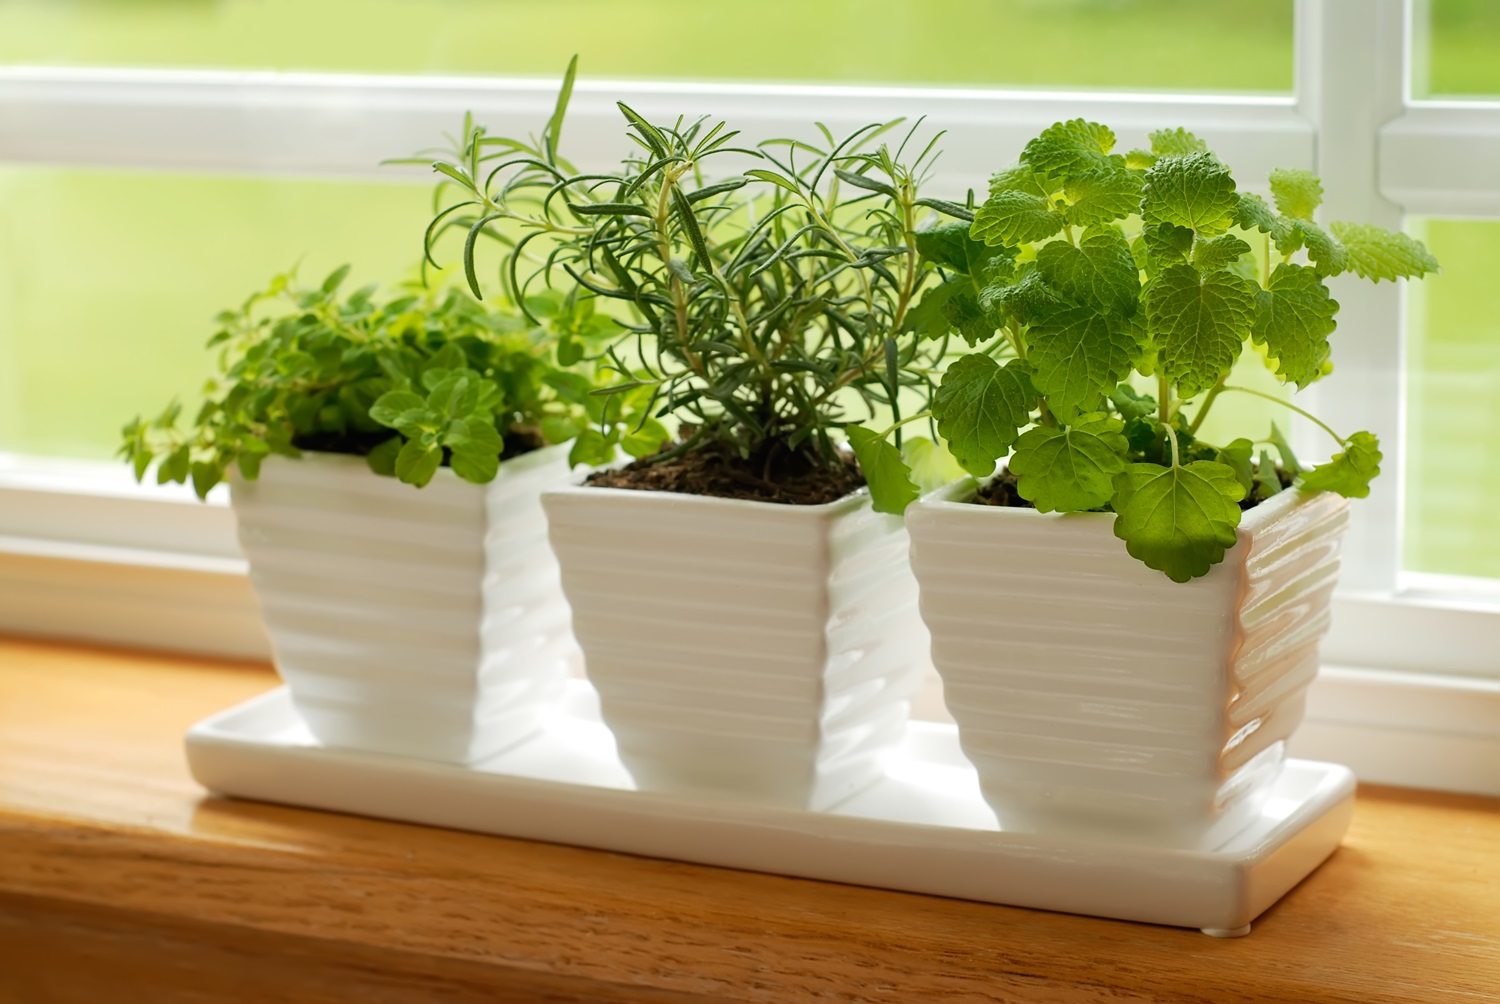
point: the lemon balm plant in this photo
(749, 622)
(1093, 692)
(423, 623)
(1099, 273)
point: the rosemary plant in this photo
(765, 294)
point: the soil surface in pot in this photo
(721, 472)
(1002, 492)
(517, 442)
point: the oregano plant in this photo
(1106, 297)
(764, 293)
(412, 381)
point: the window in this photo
(144, 183)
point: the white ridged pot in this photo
(1097, 697)
(746, 650)
(416, 622)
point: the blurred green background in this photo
(108, 279)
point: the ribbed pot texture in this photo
(744, 650)
(417, 622)
(1096, 696)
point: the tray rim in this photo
(1234, 885)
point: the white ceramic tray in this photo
(924, 828)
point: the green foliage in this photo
(1375, 253)
(771, 296)
(1070, 470)
(1123, 272)
(1298, 193)
(1179, 520)
(1199, 322)
(980, 408)
(1350, 472)
(1193, 191)
(891, 486)
(1293, 319)
(1012, 217)
(930, 463)
(411, 381)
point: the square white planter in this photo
(1094, 695)
(745, 650)
(416, 622)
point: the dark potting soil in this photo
(790, 479)
(1002, 492)
(517, 442)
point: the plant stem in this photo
(919, 416)
(1315, 420)
(1207, 403)
(1164, 401)
(1172, 438)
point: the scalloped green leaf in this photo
(1178, 520)
(1176, 143)
(1198, 322)
(931, 465)
(1376, 253)
(886, 474)
(1069, 148)
(1298, 193)
(1350, 472)
(1293, 319)
(1070, 470)
(1218, 252)
(1018, 178)
(1195, 191)
(980, 408)
(1325, 251)
(1102, 195)
(1099, 272)
(1078, 356)
(1011, 218)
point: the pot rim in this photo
(856, 499)
(955, 497)
(328, 458)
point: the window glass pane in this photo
(1453, 461)
(1456, 51)
(109, 282)
(1243, 45)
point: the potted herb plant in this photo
(1127, 616)
(749, 622)
(421, 623)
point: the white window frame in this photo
(1411, 690)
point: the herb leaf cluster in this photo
(412, 381)
(1088, 273)
(764, 293)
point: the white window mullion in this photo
(1351, 81)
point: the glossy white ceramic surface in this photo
(743, 649)
(418, 622)
(922, 827)
(1095, 695)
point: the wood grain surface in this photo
(120, 880)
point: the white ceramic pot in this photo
(1096, 696)
(748, 650)
(417, 622)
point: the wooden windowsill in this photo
(121, 880)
